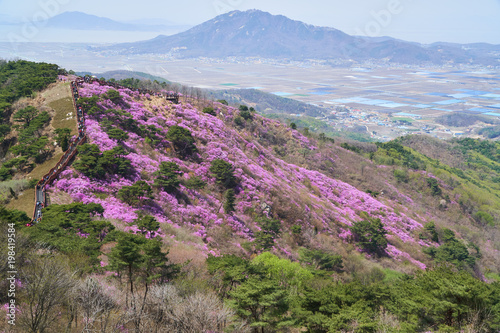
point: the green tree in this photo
(167, 177)
(270, 229)
(126, 258)
(147, 224)
(117, 134)
(484, 218)
(114, 96)
(63, 226)
(229, 271)
(113, 161)
(26, 115)
(319, 260)
(338, 307)
(142, 260)
(4, 130)
(195, 183)
(446, 299)
(90, 105)
(62, 138)
(96, 164)
(432, 230)
(223, 172)
(182, 140)
(452, 251)
(88, 162)
(5, 173)
(136, 193)
(260, 301)
(223, 101)
(370, 235)
(230, 199)
(293, 126)
(286, 272)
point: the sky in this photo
(424, 21)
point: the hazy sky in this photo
(415, 20)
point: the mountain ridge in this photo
(76, 20)
(255, 33)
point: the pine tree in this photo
(229, 203)
(167, 177)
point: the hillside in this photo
(266, 102)
(190, 216)
(255, 33)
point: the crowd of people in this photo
(174, 97)
(65, 159)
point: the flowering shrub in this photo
(310, 197)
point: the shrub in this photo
(434, 186)
(270, 230)
(370, 235)
(247, 115)
(239, 121)
(401, 175)
(223, 172)
(484, 218)
(347, 146)
(195, 183)
(319, 260)
(210, 111)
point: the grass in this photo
(42, 169)
(65, 116)
(410, 120)
(391, 275)
(25, 202)
(16, 185)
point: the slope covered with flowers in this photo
(319, 203)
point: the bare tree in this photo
(199, 312)
(96, 306)
(46, 281)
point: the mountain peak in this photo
(255, 33)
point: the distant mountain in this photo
(83, 21)
(255, 33)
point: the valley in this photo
(390, 101)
